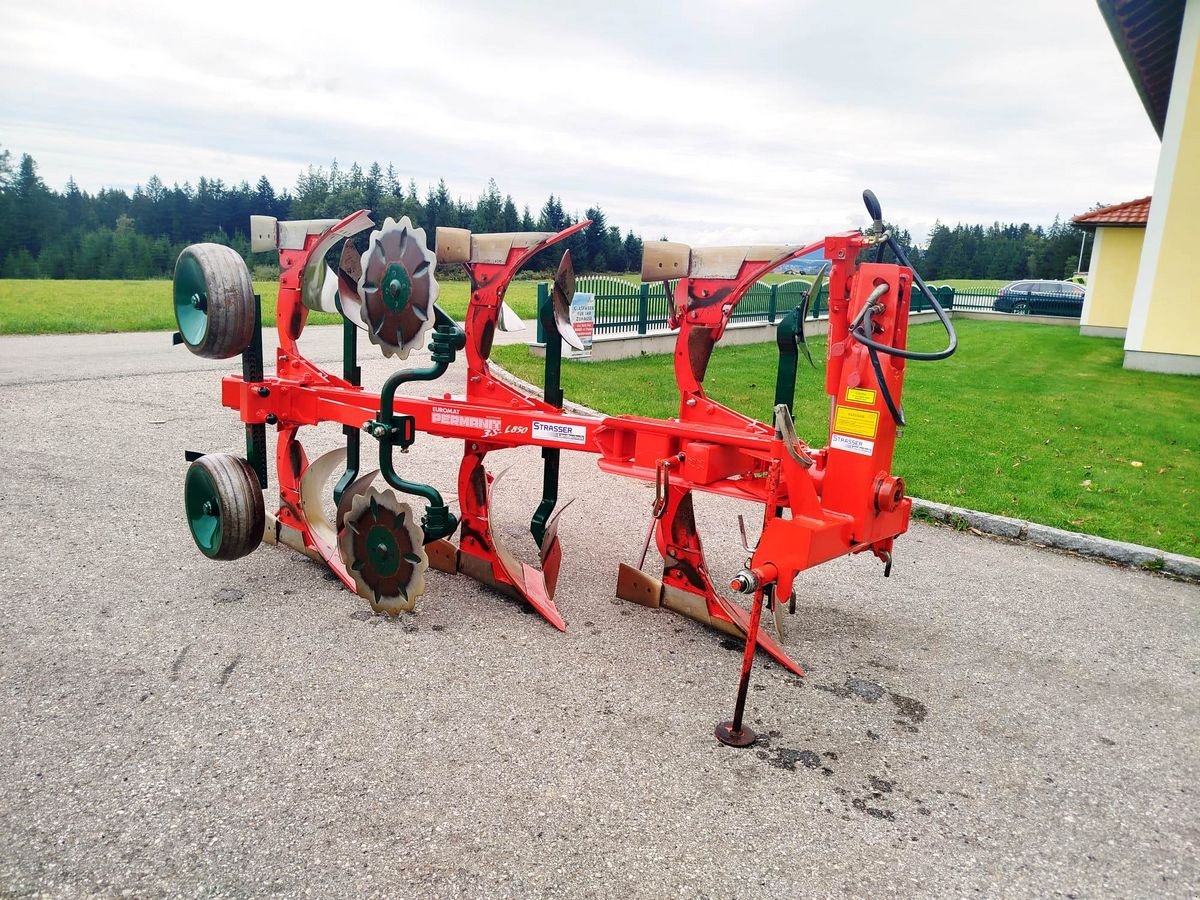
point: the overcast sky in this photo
(711, 122)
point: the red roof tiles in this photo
(1133, 212)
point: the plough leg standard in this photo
(818, 504)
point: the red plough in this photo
(818, 503)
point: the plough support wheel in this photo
(224, 506)
(214, 301)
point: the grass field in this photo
(65, 307)
(62, 307)
(1029, 421)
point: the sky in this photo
(709, 122)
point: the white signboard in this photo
(583, 315)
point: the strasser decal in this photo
(558, 431)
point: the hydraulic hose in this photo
(896, 411)
(863, 337)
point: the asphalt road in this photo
(992, 719)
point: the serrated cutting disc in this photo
(397, 287)
(381, 545)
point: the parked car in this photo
(1040, 298)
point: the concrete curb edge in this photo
(1119, 552)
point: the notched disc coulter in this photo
(381, 545)
(396, 289)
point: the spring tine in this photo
(662, 481)
(777, 617)
(646, 545)
(745, 540)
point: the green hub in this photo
(396, 287)
(203, 510)
(191, 300)
(382, 551)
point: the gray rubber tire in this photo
(224, 506)
(215, 276)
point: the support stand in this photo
(734, 733)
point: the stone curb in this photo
(1119, 552)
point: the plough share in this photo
(818, 503)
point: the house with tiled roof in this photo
(1144, 282)
(1120, 231)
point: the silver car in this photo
(1041, 298)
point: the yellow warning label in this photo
(860, 395)
(858, 422)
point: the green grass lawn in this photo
(1031, 421)
(59, 307)
(31, 306)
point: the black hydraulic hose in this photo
(865, 339)
(861, 328)
(896, 411)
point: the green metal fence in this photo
(1068, 306)
(918, 302)
(630, 307)
(627, 306)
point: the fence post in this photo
(643, 306)
(543, 296)
(771, 306)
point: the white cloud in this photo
(710, 122)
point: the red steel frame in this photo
(818, 503)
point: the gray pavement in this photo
(992, 719)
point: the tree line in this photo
(1008, 252)
(114, 234)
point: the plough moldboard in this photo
(818, 504)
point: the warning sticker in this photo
(860, 395)
(558, 431)
(854, 445)
(860, 422)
